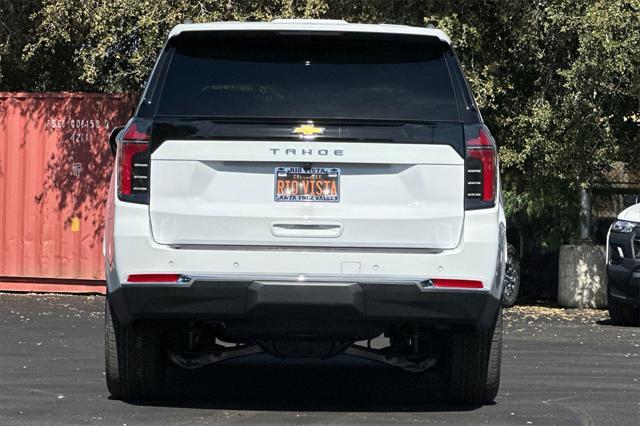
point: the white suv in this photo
(296, 187)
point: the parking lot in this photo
(559, 367)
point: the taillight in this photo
(481, 167)
(133, 162)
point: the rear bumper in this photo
(480, 255)
(376, 303)
(259, 285)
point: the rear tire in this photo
(134, 360)
(472, 365)
(622, 313)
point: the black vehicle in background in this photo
(623, 265)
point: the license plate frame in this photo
(298, 184)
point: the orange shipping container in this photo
(55, 166)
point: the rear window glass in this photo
(309, 77)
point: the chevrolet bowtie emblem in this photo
(308, 130)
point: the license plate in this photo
(319, 184)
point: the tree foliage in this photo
(14, 34)
(558, 82)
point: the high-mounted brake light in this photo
(481, 167)
(133, 162)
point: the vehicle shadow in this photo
(611, 323)
(342, 384)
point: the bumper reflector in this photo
(440, 282)
(154, 278)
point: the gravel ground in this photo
(559, 367)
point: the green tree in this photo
(115, 43)
(14, 34)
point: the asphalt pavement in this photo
(559, 367)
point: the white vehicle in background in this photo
(296, 187)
